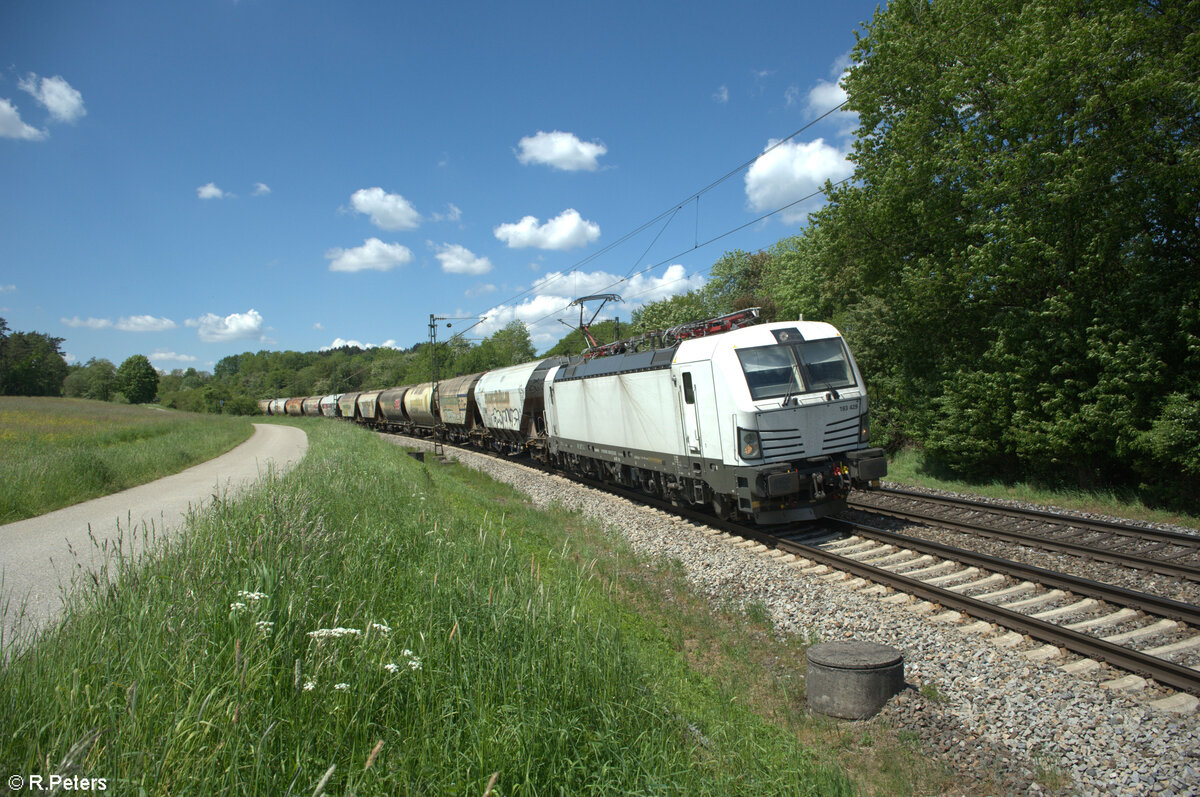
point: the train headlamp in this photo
(864, 429)
(749, 445)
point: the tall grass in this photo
(374, 625)
(58, 452)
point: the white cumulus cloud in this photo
(170, 357)
(11, 125)
(566, 231)
(826, 95)
(210, 191)
(553, 293)
(56, 95)
(90, 323)
(457, 259)
(261, 189)
(213, 328)
(387, 211)
(144, 323)
(791, 171)
(560, 150)
(373, 255)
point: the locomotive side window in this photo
(689, 394)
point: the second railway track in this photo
(1169, 553)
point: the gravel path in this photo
(996, 718)
(39, 556)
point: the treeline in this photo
(1015, 260)
(33, 364)
(238, 381)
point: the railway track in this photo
(1140, 633)
(1169, 553)
(1133, 631)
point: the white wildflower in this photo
(252, 596)
(414, 663)
(381, 628)
(325, 633)
(392, 667)
(310, 685)
(237, 607)
(266, 626)
(341, 687)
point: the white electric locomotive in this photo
(767, 422)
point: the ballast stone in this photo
(852, 680)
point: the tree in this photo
(1017, 251)
(96, 380)
(31, 364)
(137, 379)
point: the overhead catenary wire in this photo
(1094, 114)
(669, 213)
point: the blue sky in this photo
(197, 179)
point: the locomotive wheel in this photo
(721, 506)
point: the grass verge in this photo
(910, 467)
(370, 624)
(58, 452)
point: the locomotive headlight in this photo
(749, 446)
(864, 429)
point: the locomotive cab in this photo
(788, 415)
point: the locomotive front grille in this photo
(781, 444)
(840, 434)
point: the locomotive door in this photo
(694, 393)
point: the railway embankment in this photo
(990, 713)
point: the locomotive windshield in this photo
(794, 368)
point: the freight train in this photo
(762, 422)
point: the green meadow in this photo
(369, 624)
(57, 452)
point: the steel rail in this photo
(1153, 604)
(1176, 676)
(1089, 524)
(1165, 672)
(1161, 566)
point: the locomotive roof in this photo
(689, 350)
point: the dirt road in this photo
(36, 554)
